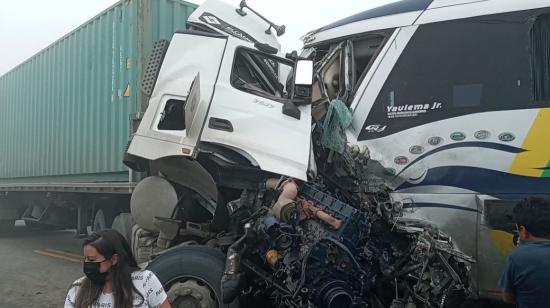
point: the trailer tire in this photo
(188, 273)
(123, 223)
(103, 219)
(6, 226)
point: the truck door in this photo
(246, 112)
(180, 100)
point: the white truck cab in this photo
(233, 91)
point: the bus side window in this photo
(365, 51)
(539, 45)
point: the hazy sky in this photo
(28, 26)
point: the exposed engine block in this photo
(307, 248)
(352, 222)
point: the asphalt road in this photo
(37, 267)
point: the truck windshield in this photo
(261, 74)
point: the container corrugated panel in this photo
(64, 113)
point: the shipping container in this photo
(65, 119)
(64, 113)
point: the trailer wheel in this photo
(191, 276)
(123, 223)
(6, 226)
(103, 219)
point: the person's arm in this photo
(166, 304)
(507, 282)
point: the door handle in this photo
(220, 124)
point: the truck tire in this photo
(6, 226)
(191, 276)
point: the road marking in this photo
(64, 253)
(58, 255)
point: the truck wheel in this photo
(103, 219)
(6, 226)
(191, 276)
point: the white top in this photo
(145, 282)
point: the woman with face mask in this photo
(113, 278)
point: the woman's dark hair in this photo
(108, 243)
(534, 214)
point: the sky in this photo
(27, 27)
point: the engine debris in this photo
(339, 241)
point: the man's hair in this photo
(534, 214)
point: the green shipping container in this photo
(64, 113)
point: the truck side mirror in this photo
(303, 79)
(301, 93)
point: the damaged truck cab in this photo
(388, 180)
(224, 86)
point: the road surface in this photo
(37, 267)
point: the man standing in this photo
(526, 277)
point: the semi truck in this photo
(66, 115)
(377, 168)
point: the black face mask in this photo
(91, 269)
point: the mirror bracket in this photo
(291, 110)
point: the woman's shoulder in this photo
(142, 275)
(78, 282)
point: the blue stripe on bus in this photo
(469, 144)
(484, 181)
(438, 205)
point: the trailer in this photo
(66, 115)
